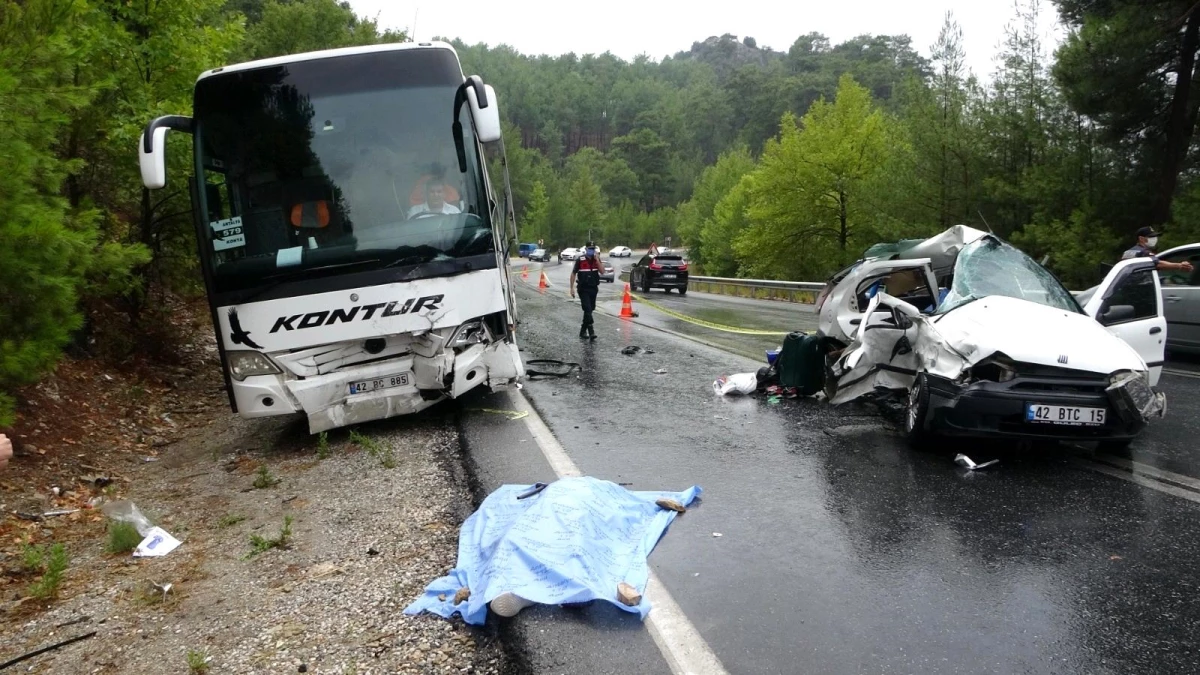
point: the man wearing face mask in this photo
(1147, 240)
(587, 271)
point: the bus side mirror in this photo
(152, 148)
(487, 118)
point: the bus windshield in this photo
(342, 163)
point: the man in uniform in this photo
(1147, 240)
(587, 272)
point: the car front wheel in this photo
(917, 412)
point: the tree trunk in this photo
(842, 231)
(1180, 125)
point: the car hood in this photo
(1032, 333)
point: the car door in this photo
(882, 354)
(1181, 300)
(1129, 302)
(842, 313)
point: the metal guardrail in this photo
(759, 289)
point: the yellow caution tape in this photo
(699, 322)
(706, 324)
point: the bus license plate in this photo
(384, 382)
(1064, 414)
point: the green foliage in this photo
(810, 202)
(122, 537)
(264, 479)
(535, 225)
(710, 247)
(260, 544)
(295, 26)
(52, 564)
(44, 243)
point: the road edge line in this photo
(684, 649)
(1138, 479)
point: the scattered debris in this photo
(741, 383)
(671, 504)
(965, 462)
(463, 594)
(162, 588)
(548, 368)
(510, 414)
(660, 371)
(634, 350)
(628, 595)
(716, 534)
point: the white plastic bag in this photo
(741, 383)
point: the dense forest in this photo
(788, 165)
(764, 163)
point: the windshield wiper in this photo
(414, 255)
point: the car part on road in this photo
(536, 548)
(966, 462)
(558, 368)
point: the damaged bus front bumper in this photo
(410, 375)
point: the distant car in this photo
(665, 271)
(1181, 299)
(540, 254)
(568, 254)
(620, 252)
(609, 274)
(524, 250)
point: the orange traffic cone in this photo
(543, 283)
(525, 272)
(627, 305)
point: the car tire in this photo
(917, 412)
(645, 284)
(683, 291)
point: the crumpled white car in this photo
(987, 342)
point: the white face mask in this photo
(1152, 242)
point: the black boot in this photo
(591, 330)
(583, 332)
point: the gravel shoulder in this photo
(372, 522)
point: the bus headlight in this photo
(471, 332)
(243, 364)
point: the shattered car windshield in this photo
(989, 266)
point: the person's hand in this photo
(572, 293)
(5, 451)
(1186, 266)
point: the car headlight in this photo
(471, 332)
(243, 364)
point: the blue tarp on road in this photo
(572, 542)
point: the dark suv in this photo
(665, 270)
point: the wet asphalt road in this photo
(841, 550)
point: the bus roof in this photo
(324, 54)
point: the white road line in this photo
(1181, 373)
(1140, 480)
(1153, 472)
(681, 645)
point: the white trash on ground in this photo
(156, 541)
(741, 383)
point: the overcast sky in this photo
(628, 28)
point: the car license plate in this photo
(667, 276)
(1064, 414)
(384, 382)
